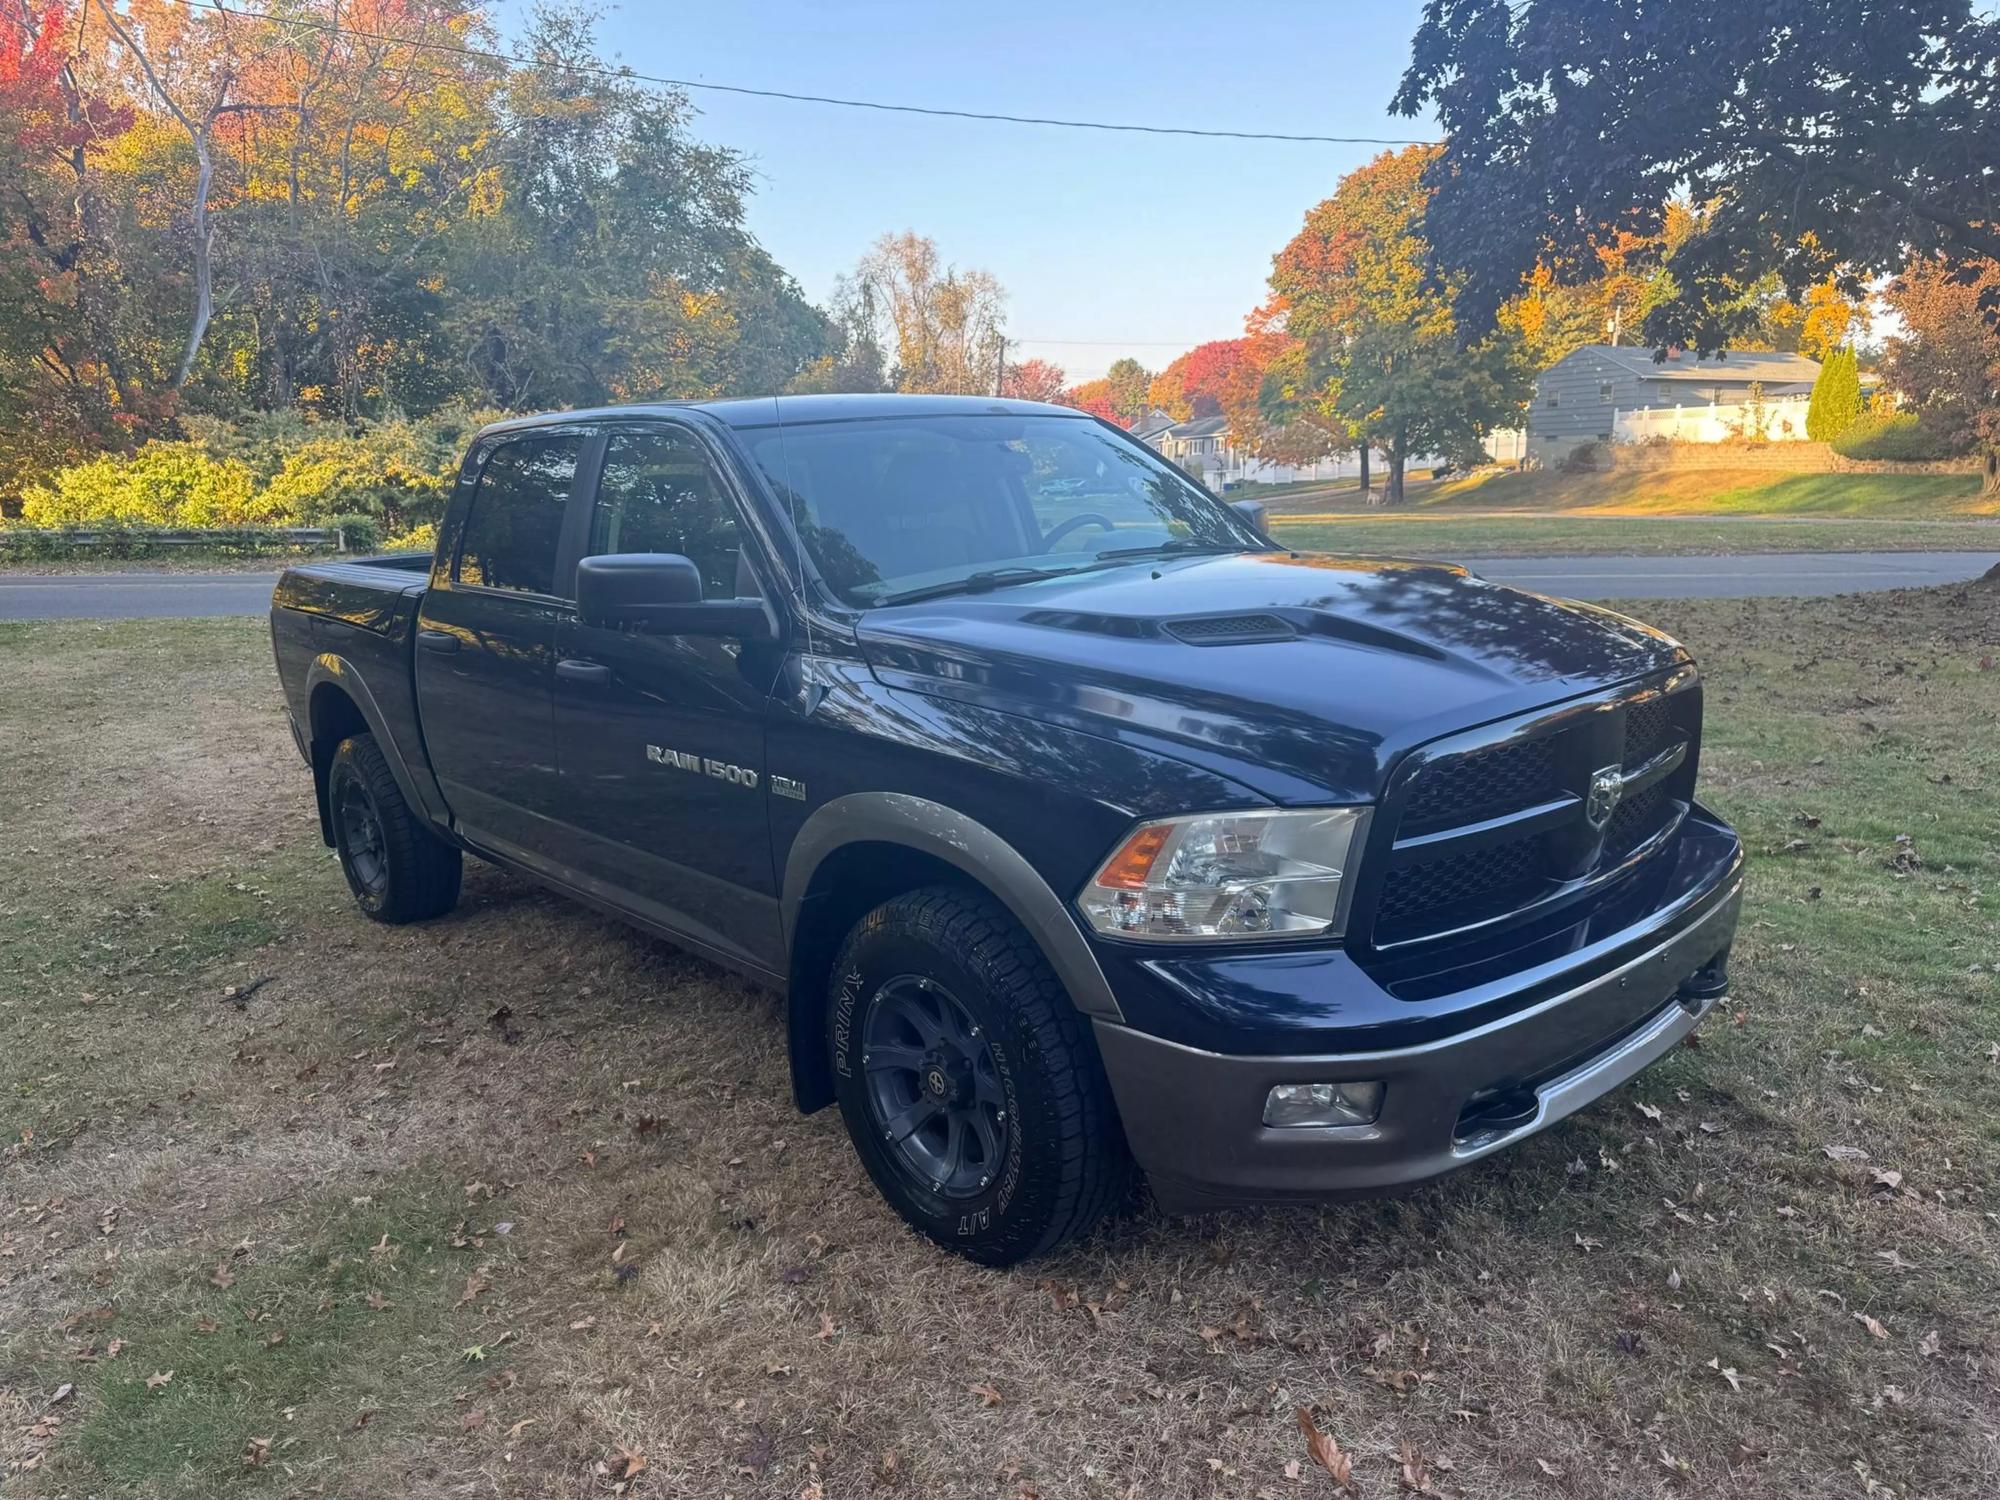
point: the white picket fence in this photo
(1781, 420)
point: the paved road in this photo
(128, 596)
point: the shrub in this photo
(389, 473)
(163, 484)
(1836, 397)
(1582, 459)
(1893, 435)
(358, 533)
(422, 538)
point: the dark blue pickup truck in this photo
(1084, 828)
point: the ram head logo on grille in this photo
(1607, 790)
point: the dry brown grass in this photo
(690, 1271)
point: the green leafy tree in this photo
(1822, 138)
(1836, 396)
(1385, 357)
(1127, 383)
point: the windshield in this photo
(922, 504)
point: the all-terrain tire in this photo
(1061, 1160)
(402, 872)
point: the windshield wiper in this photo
(974, 583)
(1180, 544)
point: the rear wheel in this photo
(968, 1081)
(397, 868)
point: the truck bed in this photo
(353, 624)
(369, 592)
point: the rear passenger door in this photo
(661, 737)
(486, 641)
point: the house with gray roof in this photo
(1579, 398)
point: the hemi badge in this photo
(784, 786)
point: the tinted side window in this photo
(517, 514)
(659, 494)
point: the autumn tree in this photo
(1382, 347)
(1273, 404)
(1192, 385)
(1096, 397)
(1825, 138)
(941, 324)
(67, 382)
(1946, 361)
(1033, 380)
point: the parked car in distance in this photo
(1085, 829)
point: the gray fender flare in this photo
(947, 834)
(420, 791)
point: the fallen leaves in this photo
(988, 1395)
(257, 1453)
(1325, 1452)
(1875, 1329)
(158, 1379)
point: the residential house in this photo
(1606, 392)
(1204, 448)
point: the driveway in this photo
(131, 596)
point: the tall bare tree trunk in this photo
(204, 231)
(1990, 481)
(204, 269)
(1366, 482)
(1392, 489)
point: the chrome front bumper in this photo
(1195, 1119)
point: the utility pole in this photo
(1000, 367)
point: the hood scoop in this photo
(1230, 630)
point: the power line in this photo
(484, 54)
(1023, 338)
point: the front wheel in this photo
(397, 868)
(968, 1081)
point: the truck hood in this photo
(1304, 678)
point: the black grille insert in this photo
(1464, 787)
(1497, 877)
(1649, 729)
(1451, 868)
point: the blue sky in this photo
(1141, 245)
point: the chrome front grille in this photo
(1484, 829)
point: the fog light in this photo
(1323, 1104)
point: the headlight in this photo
(1228, 875)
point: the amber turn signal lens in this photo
(1128, 868)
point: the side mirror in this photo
(661, 592)
(1253, 511)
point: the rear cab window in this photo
(514, 527)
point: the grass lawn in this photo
(1449, 535)
(1672, 512)
(515, 1203)
(1713, 492)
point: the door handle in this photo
(583, 673)
(441, 641)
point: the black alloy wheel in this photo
(933, 1088)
